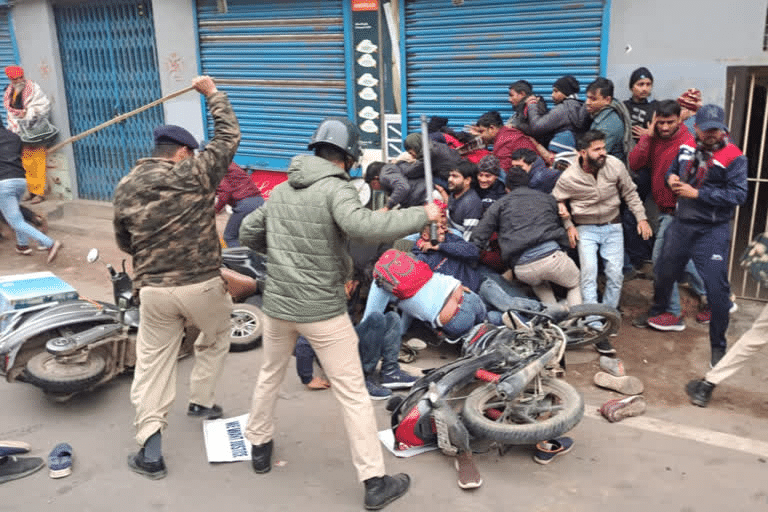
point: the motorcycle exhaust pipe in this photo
(509, 386)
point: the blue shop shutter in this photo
(7, 53)
(282, 64)
(461, 55)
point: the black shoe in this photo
(604, 347)
(699, 391)
(261, 457)
(383, 490)
(12, 467)
(717, 355)
(154, 470)
(211, 413)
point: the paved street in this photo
(676, 457)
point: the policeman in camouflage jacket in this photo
(164, 218)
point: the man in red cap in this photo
(25, 104)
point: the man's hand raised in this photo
(204, 85)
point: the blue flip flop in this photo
(60, 460)
(13, 447)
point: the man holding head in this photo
(709, 180)
(164, 218)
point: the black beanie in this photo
(436, 123)
(639, 74)
(489, 163)
(516, 177)
(567, 85)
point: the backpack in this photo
(400, 273)
(755, 259)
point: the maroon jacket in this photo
(235, 186)
(658, 154)
(507, 141)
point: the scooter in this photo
(72, 346)
(506, 387)
(245, 273)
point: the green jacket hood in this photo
(306, 170)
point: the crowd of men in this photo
(613, 169)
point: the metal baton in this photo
(428, 174)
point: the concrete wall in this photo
(177, 57)
(685, 43)
(35, 29)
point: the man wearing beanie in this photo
(566, 119)
(640, 109)
(489, 187)
(442, 156)
(532, 238)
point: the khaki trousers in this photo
(749, 343)
(556, 268)
(335, 343)
(163, 314)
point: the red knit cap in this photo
(14, 72)
(690, 99)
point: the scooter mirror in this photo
(93, 255)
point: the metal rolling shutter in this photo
(282, 64)
(461, 55)
(7, 47)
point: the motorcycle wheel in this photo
(45, 372)
(577, 329)
(247, 325)
(526, 419)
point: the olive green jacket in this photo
(305, 227)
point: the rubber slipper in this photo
(469, 476)
(60, 461)
(13, 447)
(627, 385)
(612, 365)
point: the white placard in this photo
(225, 439)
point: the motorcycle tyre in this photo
(483, 427)
(249, 341)
(44, 372)
(609, 316)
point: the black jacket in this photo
(524, 218)
(10, 155)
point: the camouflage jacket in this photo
(164, 214)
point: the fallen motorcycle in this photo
(73, 346)
(245, 272)
(505, 388)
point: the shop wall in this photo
(685, 43)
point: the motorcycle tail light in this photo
(405, 433)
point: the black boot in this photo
(699, 391)
(154, 470)
(382, 490)
(261, 457)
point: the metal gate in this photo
(282, 64)
(752, 217)
(109, 61)
(8, 53)
(461, 55)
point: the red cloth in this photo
(14, 72)
(657, 154)
(507, 141)
(235, 186)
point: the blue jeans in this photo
(665, 219)
(608, 241)
(471, 312)
(496, 297)
(379, 339)
(708, 245)
(305, 357)
(11, 191)
(241, 209)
